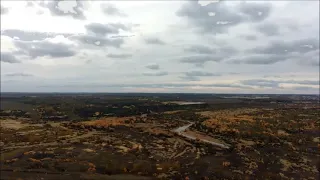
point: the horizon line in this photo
(161, 93)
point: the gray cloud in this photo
(36, 49)
(200, 49)
(30, 36)
(201, 73)
(310, 59)
(119, 56)
(255, 11)
(311, 62)
(190, 78)
(194, 75)
(224, 17)
(304, 50)
(199, 60)
(250, 37)
(154, 41)
(4, 10)
(55, 10)
(96, 34)
(121, 36)
(163, 85)
(205, 50)
(111, 10)
(268, 29)
(314, 63)
(18, 75)
(305, 82)
(8, 58)
(104, 29)
(275, 83)
(227, 51)
(227, 85)
(29, 4)
(155, 74)
(305, 88)
(261, 83)
(153, 66)
(285, 48)
(98, 41)
(259, 59)
(40, 12)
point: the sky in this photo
(160, 46)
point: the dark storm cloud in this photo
(4, 10)
(155, 74)
(98, 41)
(224, 17)
(154, 41)
(285, 48)
(18, 75)
(258, 59)
(54, 9)
(111, 10)
(199, 60)
(28, 35)
(200, 49)
(8, 58)
(104, 29)
(268, 29)
(119, 56)
(153, 66)
(36, 49)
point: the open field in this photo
(142, 137)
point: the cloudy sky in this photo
(160, 46)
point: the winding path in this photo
(181, 131)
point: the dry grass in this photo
(105, 122)
(12, 124)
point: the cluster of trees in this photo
(16, 113)
(129, 110)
